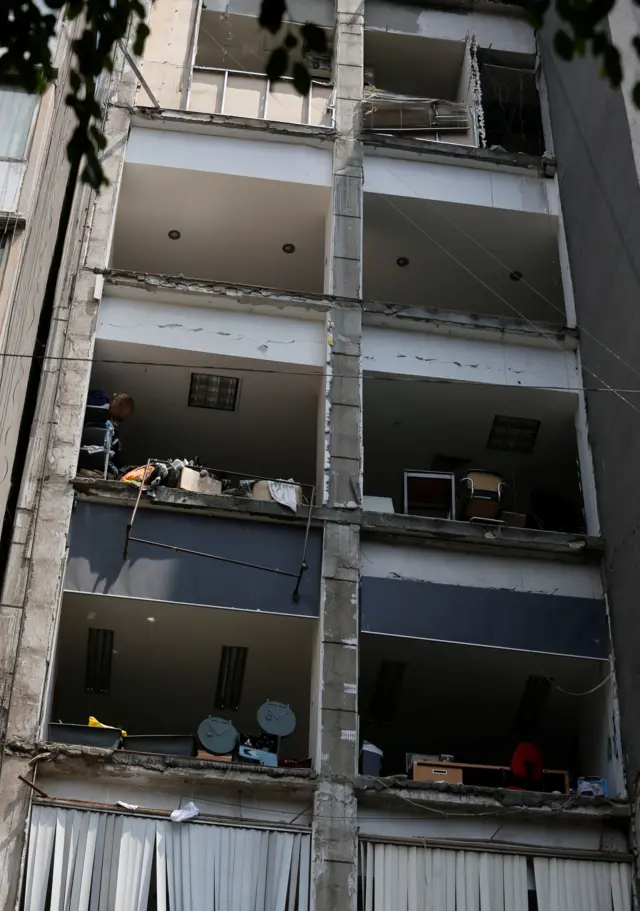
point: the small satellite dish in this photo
(276, 718)
(217, 735)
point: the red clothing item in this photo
(526, 762)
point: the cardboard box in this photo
(189, 480)
(430, 771)
(202, 754)
(260, 491)
(209, 485)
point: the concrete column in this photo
(31, 597)
(335, 670)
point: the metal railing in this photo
(244, 94)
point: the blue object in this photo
(592, 787)
(261, 756)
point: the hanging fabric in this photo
(580, 885)
(408, 878)
(104, 861)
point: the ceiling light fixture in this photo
(175, 235)
(151, 619)
(233, 659)
(97, 677)
(402, 261)
(515, 276)
(384, 702)
(513, 434)
(210, 391)
(288, 248)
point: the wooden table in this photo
(490, 776)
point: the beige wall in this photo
(167, 58)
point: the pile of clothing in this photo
(159, 473)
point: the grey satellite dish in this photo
(276, 718)
(217, 735)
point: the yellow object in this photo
(94, 723)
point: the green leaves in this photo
(289, 58)
(271, 15)
(301, 78)
(278, 64)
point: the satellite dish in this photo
(276, 718)
(217, 735)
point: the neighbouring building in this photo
(313, 692)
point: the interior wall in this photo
(164, 672)
(167, 55)
(464, 700)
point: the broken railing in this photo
(218, 473)
(427, 118)
(244, 94)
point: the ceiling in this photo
(452, 271)
(272, 432)
(463, 700)
(413, 64)
(164, 673)
(233, 228)
(408, 423)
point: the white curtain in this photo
(16, 112)
(407, 878)
(233, 869)
(104, 861)
(580, 885)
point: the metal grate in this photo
(210, 391)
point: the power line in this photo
(317, 371)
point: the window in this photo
(16, 114)
(209, 391)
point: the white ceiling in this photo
(413, 64)
(466, 277)
(408, 423)
(463, 700)
(164, 673)
(272, 432)
(233, 228)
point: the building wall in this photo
(600, 197)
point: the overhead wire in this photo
(493, 291)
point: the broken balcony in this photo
(229, 76)
(451, 712)
(512, 118)
(418, 88)
(493, 455)
(178, 679)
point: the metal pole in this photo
(127, 534)
(303, 563)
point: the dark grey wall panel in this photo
(97, 541)
(600, 195)
(485, 616)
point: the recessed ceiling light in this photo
(288, 248)
(515, 276)
(402, 261)
(151, 619)
(175, 235)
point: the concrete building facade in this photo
(372, 293)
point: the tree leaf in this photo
(278, 64)
(636, 94)
(314, 38)
(142, 33)
(290, 41)
(563, 45)
(301, 78)
(271, 14)
(612, 65)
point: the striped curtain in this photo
(83, 861)
(408, 878)
(578, 885)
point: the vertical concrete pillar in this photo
(336, 659)
(31, 596)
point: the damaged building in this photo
(303, 601)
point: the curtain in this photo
(407, 878)
(234, 869)
(104, 862)
(579, 885)
(16, 112)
